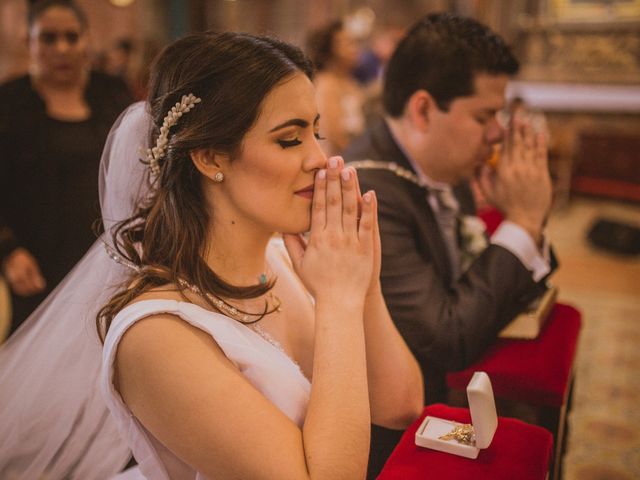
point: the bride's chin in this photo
(300, 228)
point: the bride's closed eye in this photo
(289, 143)
(296, 141)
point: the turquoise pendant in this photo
(262, 278)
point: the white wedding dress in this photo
(259, 358)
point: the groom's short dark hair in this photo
(441, 54)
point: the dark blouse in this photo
(49, 176)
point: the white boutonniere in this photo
(473, 239)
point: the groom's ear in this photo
(208, 162)
(420, 109)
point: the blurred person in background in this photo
(377, 54)
(371, 66)
(146, 51)
(53, 124)
(118, 62)
(335, 53)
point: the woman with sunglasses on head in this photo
(53, 124)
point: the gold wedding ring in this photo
(461, 433)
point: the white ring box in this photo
(483, 417)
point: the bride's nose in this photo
(316, 159)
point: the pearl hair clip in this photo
(156, 153)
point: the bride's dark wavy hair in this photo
(167, 236)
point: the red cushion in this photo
(536, 371)
(518, 450)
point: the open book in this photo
(527, 325)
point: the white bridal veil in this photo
(53, 422)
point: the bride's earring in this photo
(218, 177)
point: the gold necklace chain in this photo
(246, 318)
(242, 316)
(392, 167)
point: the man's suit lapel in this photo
(427, 226)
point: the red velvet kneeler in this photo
(536, 372)
(518, 451)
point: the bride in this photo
(227, 355)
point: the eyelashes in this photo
(296, 141)
(289, 143)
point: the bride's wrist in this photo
(341, 301)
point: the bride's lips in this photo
(306, 192)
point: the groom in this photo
(444, 85)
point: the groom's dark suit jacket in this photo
(447, 324)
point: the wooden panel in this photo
(608, 163)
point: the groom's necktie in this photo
(447, 217)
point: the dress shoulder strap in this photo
(229, 334)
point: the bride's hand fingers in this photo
(367, 220)
(358, 193)
(334, 192)
(318, 203)
(349, 200)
